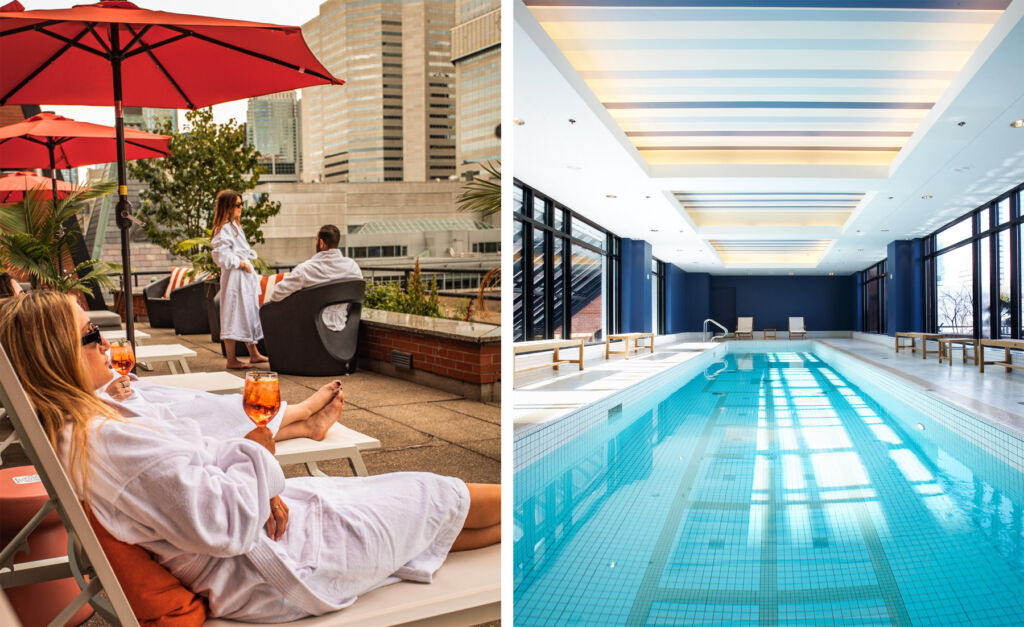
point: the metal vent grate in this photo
(401, 360)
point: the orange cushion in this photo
(179, 278)
(267, 284)
(156, 596)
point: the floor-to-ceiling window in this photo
(657, 296)
(973, 271)
(873, 299)
(567, 291)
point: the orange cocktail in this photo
(122, 357)
(262, 397)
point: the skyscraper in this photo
(394, 119)
(476, 53)
(272, 127)
(149, 119)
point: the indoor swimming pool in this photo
(769, 489)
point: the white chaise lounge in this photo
(466, 590)
(744, 328)
(796, 328)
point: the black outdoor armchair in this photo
(184, 311)
(298, 342)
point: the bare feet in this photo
(321, 421)
(236, 365)
(259, 360)
(320, 398)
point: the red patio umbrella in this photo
(155, 59)
(52, 141)
(13, 187)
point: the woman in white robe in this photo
(239, 283)
(199, 504)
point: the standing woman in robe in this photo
(239, 284)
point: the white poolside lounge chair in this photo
(796, 328)
(744, 328)
(466, 590)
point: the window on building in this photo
(972, 272)
(564, 293)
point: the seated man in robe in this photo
(328, 264)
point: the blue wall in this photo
(698, 300)
(904, 309)
(825, 302)
(636, 286)
(675, 299)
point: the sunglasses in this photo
(238, 203)
(93, 335)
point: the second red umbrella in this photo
(52, 141)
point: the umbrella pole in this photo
(53, 202)
(124, 208)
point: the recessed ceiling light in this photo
(654, 230)
(962, 168)
(1017, 123)
(891, 197)
(860, 250)
(610, 196)
(926, 197)
(518, 122)
(574, 167)
(831, 273)
(961, 124)
(885, 230)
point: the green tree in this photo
(205, 158)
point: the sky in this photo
(288, 13)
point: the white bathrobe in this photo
(239, 290)
(219, 416)
(200, 506)
(326, 265)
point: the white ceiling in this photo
(606, 104)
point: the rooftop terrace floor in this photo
(419, 428)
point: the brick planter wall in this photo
(459, 357)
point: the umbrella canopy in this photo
(53, 141)
(13, 187)
(155, 59)
(169, 59)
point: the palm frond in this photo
(482, 195)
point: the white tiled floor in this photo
(551, 396)
(995, 395)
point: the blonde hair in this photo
(226, 200)
(40, 334)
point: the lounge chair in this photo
(796, 328)
(465, 591)
(744, 328)
(177, 302)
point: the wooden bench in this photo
(626, 338)
(546, 345)
(1006, 345)
(913, 336)
(947, 344)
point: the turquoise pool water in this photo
(768, 491)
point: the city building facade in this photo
(272, 127)
(476, 54)
(394, 119)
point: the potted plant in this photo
(33, 240)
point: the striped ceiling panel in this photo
(748, 252)
(769, 209)
(806, 82)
